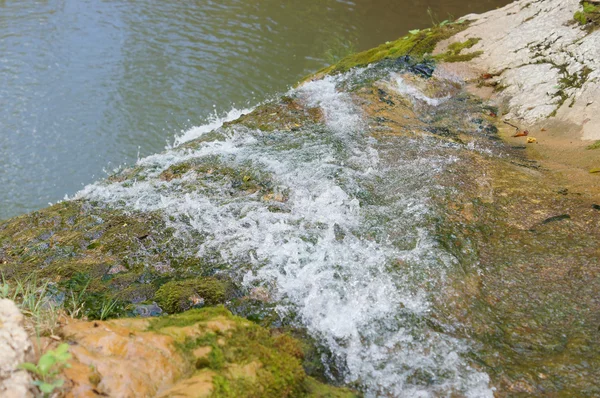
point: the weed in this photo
(33, 300)
(108, 308)
(48, 368)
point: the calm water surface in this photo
(87, 85)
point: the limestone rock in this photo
(548, 64)
(15, 348)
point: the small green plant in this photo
(4, 290)
(48, 368)
(589, 16)
(34, 300)
(435, 20)
(75, 303)
(108, 308)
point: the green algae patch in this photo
(243, 358)
(453, 54)
(588, 16)
(209, 174)
(526, 287)
(106, 258)
(417, 45)
(178, 296)
(595, 145)
(283, 114)
(567, 83)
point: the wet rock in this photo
(200, 353)
(147, 310)
(15, 349)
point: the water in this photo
(349, 250)
(87, 85)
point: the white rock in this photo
(531, 45)
(15, 348)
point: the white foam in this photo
(327, 257)
(214, 122)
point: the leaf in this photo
(61, 349)
(58, 383)
(29, 366)
(414, 31)
(444, 23)
(46, 388)
(46, 362)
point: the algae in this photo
(453, 54)
(595, 145)
(417, 44)
(523, 287)
(100, 255)
(282, 114)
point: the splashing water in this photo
(214, 123)
(347, 246)
(403, 87)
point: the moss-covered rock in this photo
(178, 296)
(417, 44)
(285, 113)
(199, 353)
(99, 255)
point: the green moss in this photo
(588, 16)
(567, 83)
(274, 359)
(188, 318)
(245, 179)
(417, 45)
(285, 114)
(176, 171)
(595, 145)
(79, 244)
(453, 54)
(178, 296)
